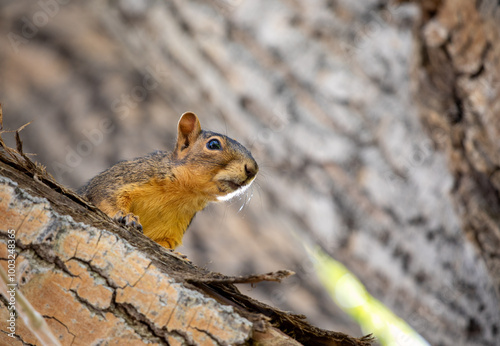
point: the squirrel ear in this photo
(189, 129)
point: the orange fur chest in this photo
(165, 210)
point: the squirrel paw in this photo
(130, 220)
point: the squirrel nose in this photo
(251, 169)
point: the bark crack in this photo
(139, 322)
(88, 305)
(18, 337)
(64, 325)
(95, 270)
(210, 335)
(142, 275)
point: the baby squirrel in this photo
(163, 191)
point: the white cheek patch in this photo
(235, 193)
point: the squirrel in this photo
(160, 193)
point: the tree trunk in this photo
(461, 96)
(373, 124)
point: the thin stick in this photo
(32, 318)
(248, 279)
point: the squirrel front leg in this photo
(121, 211)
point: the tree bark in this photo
(461, 95)
(374, 126)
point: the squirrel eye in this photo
(214, 144)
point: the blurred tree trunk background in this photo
(375, 125)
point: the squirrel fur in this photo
(164, 190)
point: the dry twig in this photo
(247, 279)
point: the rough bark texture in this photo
(110, 285)
(460, 86)
(402, 189)
(460, 94)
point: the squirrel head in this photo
(210, 163)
